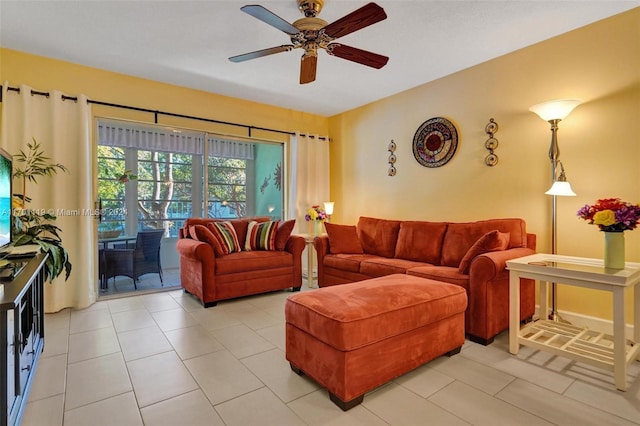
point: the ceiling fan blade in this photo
(367, 15)
(261, 53)
(308, 67)
(360, 56)
(270, 18)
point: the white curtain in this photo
(309, 176)
(63, 129)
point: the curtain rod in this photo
(170, 114)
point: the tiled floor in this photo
(161, 359)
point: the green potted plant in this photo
(34, 227)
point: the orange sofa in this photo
(212, 276)
(472, 255)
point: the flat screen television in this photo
(6, 216)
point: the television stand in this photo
(22, 337)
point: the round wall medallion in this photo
(435, 142)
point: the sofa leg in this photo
(296, 370)
(453, 352)
(296, 288)
(209, 304)
(481, 340)
(185, 291)
(344, 406)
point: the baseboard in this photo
(592, 323)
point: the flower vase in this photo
(614, 250)
(317, 227)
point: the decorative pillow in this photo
(261, 236)
(284, 231)
(491, 241)
(343, 239)
(225, 236)
(204, 234)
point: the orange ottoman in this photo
(351, 338)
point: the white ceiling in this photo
(187, 43)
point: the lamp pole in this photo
(554, 153)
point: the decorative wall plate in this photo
(435, 142)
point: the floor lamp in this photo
(553, 112)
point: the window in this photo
(241, 177)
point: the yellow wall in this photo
(45, 74)
(599, 144)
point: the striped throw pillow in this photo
(261, 236)
(226, 237)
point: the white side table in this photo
(613, 353)
(308, 239)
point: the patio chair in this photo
(143, 258)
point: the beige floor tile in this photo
(213, 319)
(316, 409)
(398, 406)
(273, 370)
(193, 341)
(143, 342)
(188, 302)
(221, 376)
(96, 379)
(560, 409)
(190, 409)
(473, 373)
(58, 320)
(157, 302)
(424, 381)
(91, 320)
(44, 412)
(480, 408)
(611, 400)
(260, 407)
(256, 319)
(93, 343)
(125, 304)
(159, 377)
(120, 410)
(57, 342)
(173, 319)
(275, 335)
(50, 378)
(132, 320)
(241, 341)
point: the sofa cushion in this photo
(491, 241)
(284, 232)
(226, 237)
(461, 236)
(261, 236)
(379, 266)
(420, 241)
(343, 239)
(346, 262)
(378, 236)
(247, 261)
(446, 274)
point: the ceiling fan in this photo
(311, 33)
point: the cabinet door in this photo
(11, 361)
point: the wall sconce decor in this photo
(392, 158)
(492, 143)
(553, 112)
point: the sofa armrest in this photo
(321, 244)
(195, 250)
(488, 265)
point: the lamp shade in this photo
(562, 188)
(555, 110)
(328, 207)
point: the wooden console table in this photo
(610, 352)
(22, 341)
